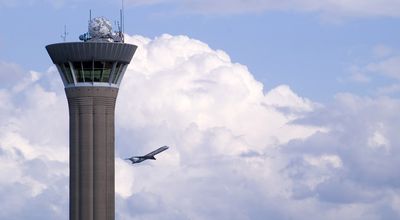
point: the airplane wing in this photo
(159, 150)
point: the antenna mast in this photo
(64, 35)
(121, 22)
(123, 17)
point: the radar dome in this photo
(100, 27)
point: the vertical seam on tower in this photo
(93, 156)
(77, 162)
(107, 189)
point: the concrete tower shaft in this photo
(91, 73)
(91, 112)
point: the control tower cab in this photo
(100, 60)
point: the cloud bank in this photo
(236, 152)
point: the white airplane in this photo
(149, 156)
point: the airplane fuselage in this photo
(149, 156)
(141, 159)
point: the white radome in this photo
(100, 28)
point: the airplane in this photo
(149, 156)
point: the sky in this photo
(272, 109)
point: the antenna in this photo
(90, 15)
(123, 17)
(121, 22)
(64, 35)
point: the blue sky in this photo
(278, 46)
(272, 109)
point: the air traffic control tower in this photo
(92, 71)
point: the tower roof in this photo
(88, 51)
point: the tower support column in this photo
(92, 135)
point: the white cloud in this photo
(389, 67)
(356, 74)
(362, 134)
(11, 72)
(145, 2)
(329, 8)
(389, 89)
(235, 152)
(384, 64)
(378, 140)
(324, 160)
(24, 3)
(199, 87)
(33, 156)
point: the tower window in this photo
(87, 69)
(101, 71)
(118, 71)
(66, 70)
(92, 71)
(79, 74)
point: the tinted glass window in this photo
(92, 71)
(83, 71)
(66, 69)
(87, 68)
(78, 71)
(101, 71)
(97, 71)
(118, 70)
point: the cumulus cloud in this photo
(189, 81)
(362, 145)
(212, 113)
(235, 152)
(33, 156)
(277, 147)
